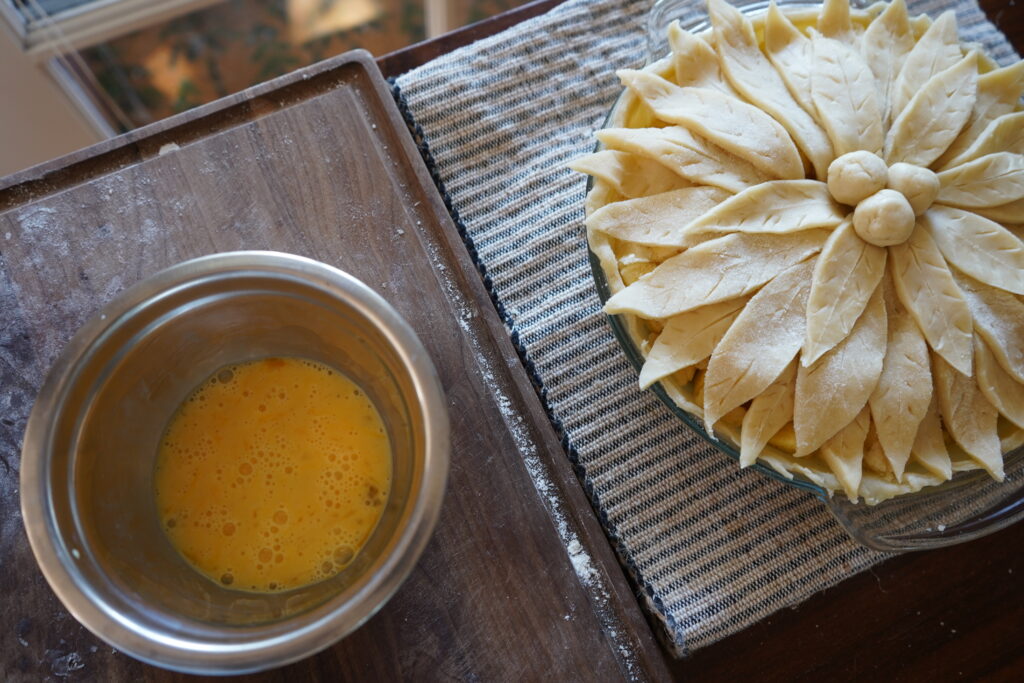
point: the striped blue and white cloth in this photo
(713, 549)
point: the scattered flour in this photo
(581, 563)
(538, 471)
(63, 665)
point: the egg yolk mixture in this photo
(272, 474)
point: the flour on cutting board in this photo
(538, 471)
(45, 240)
(63, 664)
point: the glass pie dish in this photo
(969, 505)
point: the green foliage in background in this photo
(256, 32)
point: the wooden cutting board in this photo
(518, 580)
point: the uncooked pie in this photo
(810, 223)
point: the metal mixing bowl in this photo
(87, 491)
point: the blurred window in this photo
(131, 62)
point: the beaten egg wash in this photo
(272, 474)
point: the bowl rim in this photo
(331, 622)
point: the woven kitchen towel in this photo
(713, 549)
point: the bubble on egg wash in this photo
(235, 445)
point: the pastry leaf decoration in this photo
(760, 344)
(845, 276)
(844, 94)
(934, 117)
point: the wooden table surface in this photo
(955, 613)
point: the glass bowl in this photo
(87, 491)
(968, 506)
